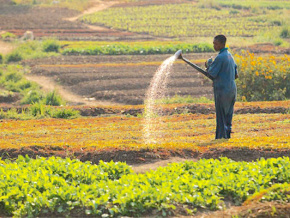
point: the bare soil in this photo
(144, 159)
(98, 6)
(56, 22)
(118, 79)
(48, 85)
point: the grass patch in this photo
(177, 99)
(79, 5)
(33, 50)
(39, 111)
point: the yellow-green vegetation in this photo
(177, 99)
(67, 187)
(79, 5)
(32, 50)
(192, 20)
(253, 4)
(277, 192)
(139, 48)
(13, 81)
(263, 78)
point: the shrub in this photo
(51, 45)
(263, 78)
(38, 109)
(13, 76)
(65, 113)
(33, 96)
(14, 57)
(53, 99)
(7, 36)
(285, 32)
(1, 59)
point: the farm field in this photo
(121, 79)
(52, 22)
(257, 134)
(100, 154)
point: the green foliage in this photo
(177, 99)
(54, 99)
(38, 111)
(15, 56)
(135, 49)
(1, 58)
(79, 5)
(32, 50)
(61, 186)
(285, 32)
(13, 80)
(32, 96)
(51, 45)
(209, 4)
(277, 192)
(188, 20)
(7, 36)
(250, 4)
(64, 113)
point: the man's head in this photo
(219, 42)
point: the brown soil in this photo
(108, 110)
(265, 48)
(144, 159)
(126, 83)
(257, 209)
(98, 6)
(48, 85)
(53, 22)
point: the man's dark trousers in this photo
(224, 104)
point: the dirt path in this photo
(99, 6)
(48, 85)
(143, 168)
(5, 47)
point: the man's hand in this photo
(208, 63)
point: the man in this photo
(223, 70)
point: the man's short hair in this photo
(221, 38)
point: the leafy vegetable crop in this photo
(58, 186)
(183, 20)
(129, 48)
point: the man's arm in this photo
(215, 67)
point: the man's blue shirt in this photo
(223, 70)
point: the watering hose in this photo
(178, 55)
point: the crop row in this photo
(135, 48)
(248, 4)
(181, 20)
(188, 131)
(67, 187)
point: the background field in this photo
(73, 90)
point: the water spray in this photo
(178, 55)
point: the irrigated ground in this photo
(120, 79)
